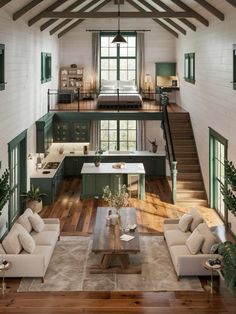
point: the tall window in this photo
(118, 135)
(46, 67)
(118, 62)
(234, 67)
(2, 67)
(189, 67)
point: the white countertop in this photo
(106, 167)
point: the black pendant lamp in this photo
(119, 39)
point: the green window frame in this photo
(46, 67)
(118, 135)
(189, 67)
(234, 67)
(2, 67)
(118, 62)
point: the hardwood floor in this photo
(78, 218)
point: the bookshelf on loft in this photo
(71, 78)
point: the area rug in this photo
(69, 270)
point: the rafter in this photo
(4, 2)
(163, 25)
(108, 15)
(169, 21)
(52, 7)
(211, 9)
(232, 2)
(68, 9)
(199, 17)
(26, 9)
(183, 20)
(67, 21)
(76, 23)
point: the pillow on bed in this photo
(126, 83)
(106, 88)
(107, 82)
(128, 88)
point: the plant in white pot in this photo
(34, 199)
(5, 193)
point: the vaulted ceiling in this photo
(61, 16)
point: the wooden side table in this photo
(212, 269)
(3, 268)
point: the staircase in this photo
(190, 186)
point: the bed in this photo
(128, 98)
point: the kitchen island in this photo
(94, 179)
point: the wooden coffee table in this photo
(107, 243)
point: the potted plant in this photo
(116, 199)
(98, 157)
(230, 173)
(34, 199)
(5, 193)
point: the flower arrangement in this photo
(98, 156)
(116, 199)
(154, 145)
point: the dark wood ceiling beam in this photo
(66, 30)
(199, 17)
(163, 25)
(211, 9)
(39, 16)
(4, 2)
(108, 15)
(65, 22)
(183, 20)
(68, 9)
(232, 2)
(26, 9)
(169, 21)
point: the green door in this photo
(218, 154)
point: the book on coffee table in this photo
(126, 237)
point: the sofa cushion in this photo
(176, 251)
(11, 243)
(176, 237)
(197, 219)
(45, 237)
(27, 242)
(42, 250)
(52, 227)
(184, 222)
(37, 222)
(2, 251)
(209, 238)
(195, 241)
(24, 219)
(170, 227)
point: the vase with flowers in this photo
(154, 145)
(98, 157)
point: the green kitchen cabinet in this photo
(61, 132)
(89, 186)
(80, 131)
(44, 133)
(166, 69)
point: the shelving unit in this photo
(71, 78)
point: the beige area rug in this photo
(69, 270)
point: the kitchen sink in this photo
(51, 165)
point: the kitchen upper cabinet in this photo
(166, 69)
(44, 133)
(61, 132)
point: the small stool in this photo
(211, 268)
(4, 267)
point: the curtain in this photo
(141, 135)
(96, 59)
(94, 134)
(140, 60)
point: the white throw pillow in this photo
(37, 222)
(128, 82)
(184, 222)
(106, 88)
(11, 243)
(27, 242)
(197, 219)
(128, 88)
(194, 242)
(209, 238)
(108, 82)
(24, 219)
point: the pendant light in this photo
(119, 39)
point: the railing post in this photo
(78, 99)
(48, 100)
(174, 180)
(118, 99)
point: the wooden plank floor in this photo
(78, 217)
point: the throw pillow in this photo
(2, 251)
(37, 222)
(184, 222)
(209, 238)
(106, 88)
(11, 243)
(24, 219)
(197, 219)
(27, 242)
(194, 242)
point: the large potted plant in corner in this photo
(33, 199)
(230, 174)
(5, 193)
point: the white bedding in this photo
(124, 97)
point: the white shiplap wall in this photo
(24, 99)
(211, 101)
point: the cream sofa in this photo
(22, 263)
(186, 263)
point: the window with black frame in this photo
(118, 62)
(2, 67)
(189, 67)
(46, 67)
(234, 67)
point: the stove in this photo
(51, 165)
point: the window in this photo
(189, 67)
(46, 67)
(118, 135)
(118, 62)
(234, 67)
(2, 67)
